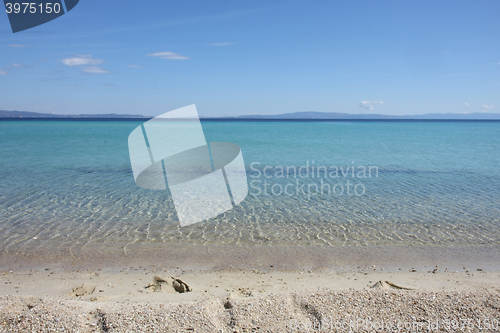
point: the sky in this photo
(256, 57)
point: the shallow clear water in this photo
(69, 183)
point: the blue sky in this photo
(256, 57)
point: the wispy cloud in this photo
(81, 60)
(95, 70)
(467, 105)
(104, 84)
(369, 104)
(221, 44)
(18, 45)
(487, 107)
(6, 70)
(61, 78)
(459, 74)
(85, 61)
(168, 55)
(135, 66)
(169, 23)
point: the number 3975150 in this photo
(27, 7)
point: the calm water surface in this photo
(69, 183)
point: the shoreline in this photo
(205, 258)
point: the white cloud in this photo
(168, 55)
(467, 105)
(3, 72)
(95, 70)
(135, 66)
(221, 44)
(17, 65)
(85, 60)
(18, 45)
(369, 104)
(487, 107)
(81, 60)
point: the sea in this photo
(68, 184)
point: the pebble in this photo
(267, 313)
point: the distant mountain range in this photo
(308, 115)
(334, 115)
(24, 114)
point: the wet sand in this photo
(230, 257)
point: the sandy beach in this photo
(250, 166)
(151, 297)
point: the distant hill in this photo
(308, 115)
(361, 116)
(25, 114)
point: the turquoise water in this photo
(69, 183)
